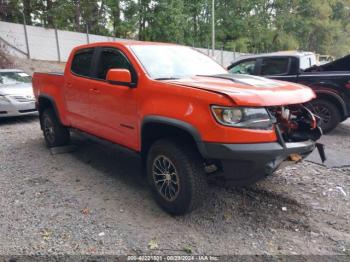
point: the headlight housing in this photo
(4, 100)
(243, 117)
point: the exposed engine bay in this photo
(296, 123)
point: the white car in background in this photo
(16, 93)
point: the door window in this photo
(111, 58)
(246, 67)
(275, 66)
(81, 63)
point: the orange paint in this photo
(115, 112)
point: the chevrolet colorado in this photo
(187, 117)
(331, 81)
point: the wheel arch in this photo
(44, 102)
(156, 127)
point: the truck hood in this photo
(246, 90)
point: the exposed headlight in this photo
(243, 117)
(4, 100)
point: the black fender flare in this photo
(190, 129)
(336, 97)
(52, 102)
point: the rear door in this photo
(114, 107)
(278, 68)
(77, 88)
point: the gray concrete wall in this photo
(45, 44)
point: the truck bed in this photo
(47, 83)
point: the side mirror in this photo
(119, 77)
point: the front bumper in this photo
(17, 109)
(243, 164)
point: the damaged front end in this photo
(296, 123)
(297, 131)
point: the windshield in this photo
(11, 78)
(167, 62)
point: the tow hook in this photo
(321, 151)
(295, 158)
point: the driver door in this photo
(114, 107)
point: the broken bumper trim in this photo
(243, 164)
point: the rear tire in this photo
(329, 113)
(176, 176)
(55, 133)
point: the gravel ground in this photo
(95, 201)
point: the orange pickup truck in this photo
(187, 117)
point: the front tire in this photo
(55, 133)
(329, 113)
(176, 176)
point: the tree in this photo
(322, 26)
(10, 11)
(115, 12)
(27, 10)
(166, 23)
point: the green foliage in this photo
(167, 23)
(322, 26)
(9, 11)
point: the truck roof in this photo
(123, 42)
(279, 53)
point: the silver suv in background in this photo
(16, 93)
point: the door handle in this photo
(69, 85)
(95, 90)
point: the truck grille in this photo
(23, 99)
